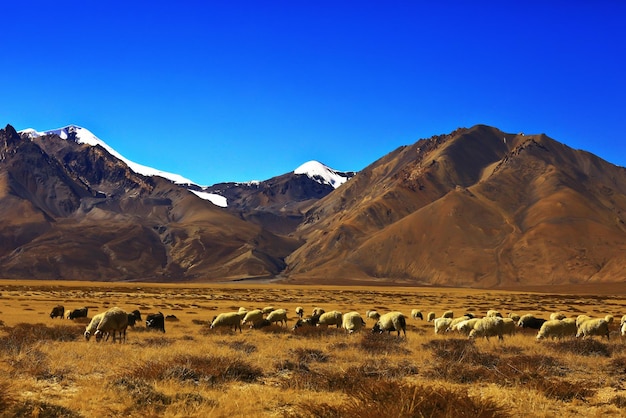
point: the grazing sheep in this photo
(311, 321)
(78, 313)
(557, 315)
(581, 318)
(114, 320)
(623, 321)
(515, 317)
(430, 317)
(300, 311)
(557, 328)
(133, 317)
(279, 315)
(156, 321)
(93, 325)
(509, 326)
(228, 319)
(609, 318)
(442, 324)
(416, 313)
(530, 321)
(267, 309)
(252, 317)
(591, 327)
(448, 314)
(392, 321)
(59, 311)
(261, 324)
(465, 327)
(623, 330)
(493, 313)
(330, 318)
(488, 327)
(373, 315)
(352, 322)
(455, 321)
(318, 312)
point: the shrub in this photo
(31, 408)
(375, 343)
(583, 347)
(22, 335)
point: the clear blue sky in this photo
(242, 90)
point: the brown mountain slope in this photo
(72, 211)
(474, 208)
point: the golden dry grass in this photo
(47, 369)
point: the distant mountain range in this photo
(476, 208)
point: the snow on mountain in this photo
(322, 174)
(216, 199)
(84, 136)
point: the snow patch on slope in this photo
(216, 199)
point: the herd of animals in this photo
(115, 321)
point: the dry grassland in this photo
(47, 369)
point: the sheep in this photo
(623, 321)
(509, 326)
(114, 320)
(373, 315)
(93, 325)
(59, 311)
(156, 321)
(311, 321)
(530, 321)
(330, 318)
(488, 327)
(261, 324)
(557, 328)
(557, 315)
(78, 313)
(229, 319)
(442, 324)
(352, 322)
(133, 317)
(430, 317)
(267, 309)
(448, 314)
(242, 310)
(455, 321)
(466, 326)
(581, 318)
(609, 318)
(392, 321)
(591, 327)
(252, 317)
(300, 311)
(416, 313)
(493, 313)
(623, 329)
(515, 317)
(318, 312)
(278, 315)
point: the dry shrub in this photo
(617, 366)
(375, 343)
(316, 332)
(583, 347)
(302, 378)
(384, 398)
(7, 398)
(308, 355)
(381, 370)
(460, 361)
(31, 408)
(199, 369)
(619, 401)
(142, 394)
(35, 363)
(23, 335)
(563, 390)
(239, 346)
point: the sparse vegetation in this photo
(49, 370)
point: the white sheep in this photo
(623, 321)
(515, 317)
(373, 315)
(623, 329)
(494, 313)
(430, 317)
(114, 320)
(591, 327)
(466, 326)
(442, 324)
(488, 327)
(609, 318)
(453, 324)
(330, 318)
(352, 322)
(580, 319)
(557, 328)
(252, 317)
(416, 313)
(93, 325)
(557, 315)
(509, 326)
(318, 312)
(278, 315)
(392, 321)
(267, 309)
(242, 310)
(300, 311)
(228, 319)
(448, 314)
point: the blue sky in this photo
(238, 91)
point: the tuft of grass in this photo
(375, 343)
(373, 399)
(23, 335)
(31, 408)
(239, 346)
(142, 394)
(7, 397)
(583, 347)
(308, 355)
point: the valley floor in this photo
(48, 369)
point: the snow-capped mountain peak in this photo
(323, 174)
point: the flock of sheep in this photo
(115, 321)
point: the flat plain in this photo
(49, 370)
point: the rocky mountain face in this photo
(475, 208)
(72, 211)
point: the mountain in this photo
(278, 204)
(71, 209)
(475, 208)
